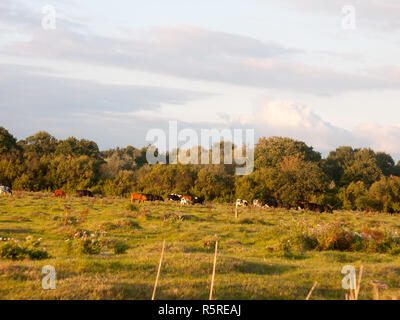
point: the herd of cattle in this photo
(272, 203)
(188, 200)
(183, 199)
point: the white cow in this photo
(241, 203)
(258, 203)
(5, 190)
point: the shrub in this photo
(120, 247)
(90, 246)
(334, 236)
(14, 250)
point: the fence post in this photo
(213, 274)
(158, 272)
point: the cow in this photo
(59, 194)
(319, 208)
(241, 203)
(153, 197)
(390, 210)
(189, 198)
(258, 203)
(158, 198)
(185, 201)
(5, 190)
(200, 200)
(270, 203)
(174, 197)
(284, 205)
(138, 197)
(83, 193)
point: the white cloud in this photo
(290, 119)
(379, 137)
(191, 53)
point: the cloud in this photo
(370, 14)
(287, 118)
(290, 119)
(380, 138)
(191, 53)
(198, 54)
(31, 101)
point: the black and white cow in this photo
(241, 203)
(5, 190)
(174, 197)
(200, 200)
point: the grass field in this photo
(252, 262)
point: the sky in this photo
(110, 71)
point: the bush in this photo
(14, 250)
(90, 246)
(333, 236)
(120, 247)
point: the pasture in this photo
(256, 258)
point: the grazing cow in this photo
(189, 198)
(200, 200)
(174, 197)
(258, 203)
(319, 208)
(5, 190)
(138, 197)
(270, 203)
(284, 205)
(241, 203)
(59, 194)
(390, 210)
(153, 197)
(84, 193)
(158, 198)
(185, 201)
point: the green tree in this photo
(7, 141)
(298, 180)
(271, 152)
(364, 168)
(41, 143)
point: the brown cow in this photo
(60, 194)
(138, 196)
(189, 198)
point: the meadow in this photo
(107, 248)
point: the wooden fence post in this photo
(158, 272)
(312, 290)
(213, 274)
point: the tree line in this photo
(285, 169)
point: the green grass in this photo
(250, 265)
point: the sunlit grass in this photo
(250, 263)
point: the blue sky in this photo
(112, 70)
